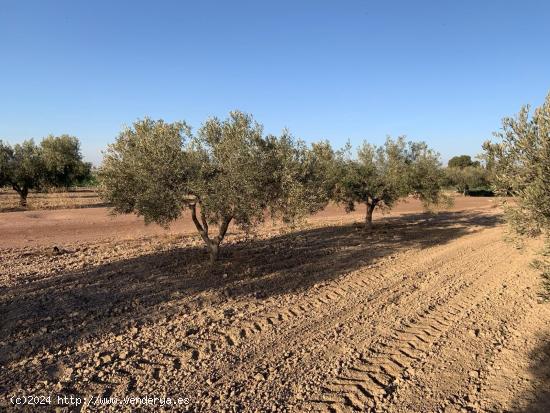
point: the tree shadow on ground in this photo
(62, 310)
(538, 399)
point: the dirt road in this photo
(428, 313)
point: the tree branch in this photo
(202, 232)
(204, 222)
(223, 228)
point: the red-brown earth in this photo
(426, 313)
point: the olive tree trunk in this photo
(368, 217)
(23, 193)
(212, 244)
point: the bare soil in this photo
(426, 313)
(98, 224)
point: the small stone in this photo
(106, 359)
(259, 377)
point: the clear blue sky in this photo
(441, 71)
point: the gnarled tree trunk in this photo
(23, 193)
(213, 250)
(368, 217)
(212, 244)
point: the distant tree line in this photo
(55, 163)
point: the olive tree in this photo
(56, 162)
(520, 166)
(226, 173)
(234, 172)
(21, 168)
(381, 175)
(63, 162)
(464, 174)
(520, 162)
(462, 161)
(466, 178)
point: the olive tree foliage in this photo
(466, 178)
(148, 171)
(233, 177)
(56, 162)
(381, 175)
(227, 172)
(462, 161)
(465, 174)
(519, 161)
(62, 160)
(21, 168)
(303, 178)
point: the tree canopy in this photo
(21, 168)
(56, 162)
(63, 161)
(228, 172)
(465, 174)
(381, 175)
(520, 164)
(462, 161)
(467, 178)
